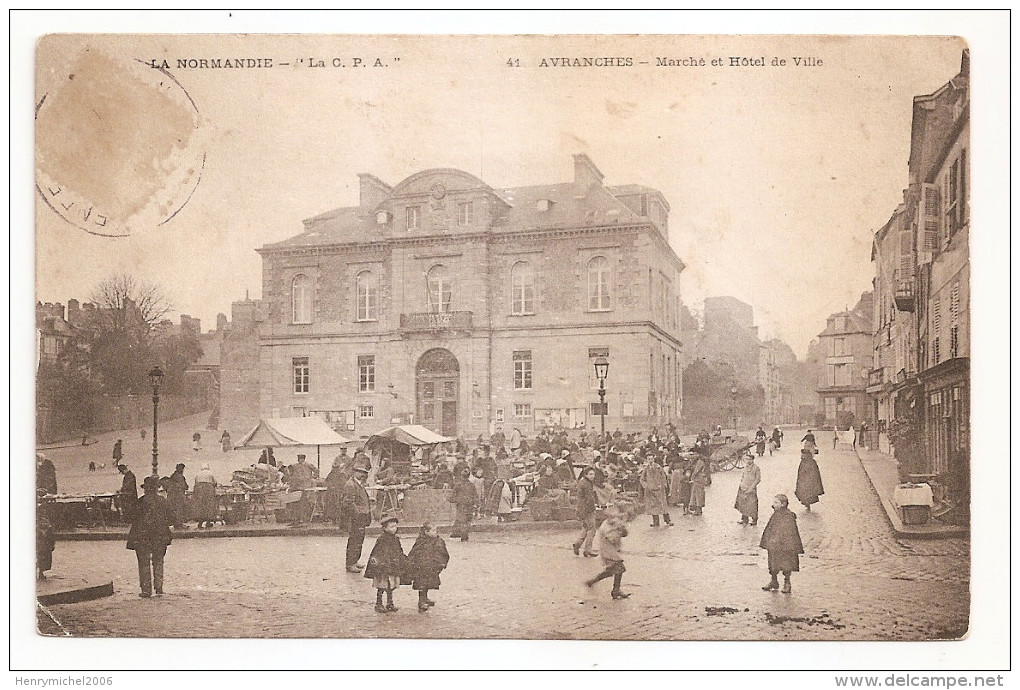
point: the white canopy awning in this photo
(291, 431)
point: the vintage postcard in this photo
(573, 337)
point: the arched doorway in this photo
(437, 383)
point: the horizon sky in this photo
(777, 176)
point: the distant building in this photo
(847, 344)
(465, 308)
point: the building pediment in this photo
(438, 183)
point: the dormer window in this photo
(543, 205)
(383, 217)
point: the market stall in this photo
(262, 496)
(411, 499)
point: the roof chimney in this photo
(585, 173)
(373, 191)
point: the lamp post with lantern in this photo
(156, 377)
(601, 372)
(733, 406)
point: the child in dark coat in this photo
(781, 539)
(385, 564)
(427, 558)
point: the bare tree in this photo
(125, 304)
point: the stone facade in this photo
(465, 308)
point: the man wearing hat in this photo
(176, 489)
(301, 480)
(149, 536)
(356, 511)
(128, 493)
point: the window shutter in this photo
(931, 218)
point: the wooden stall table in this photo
(318, 501)
(387, 497)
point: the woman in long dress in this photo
(809, 480)
(206, 504)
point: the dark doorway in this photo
(437, 383)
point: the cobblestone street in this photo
(700, 580)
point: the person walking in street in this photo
(149, 536)
(610, 542)
(176, 488)
(45, 474)
(427, 558)
(835, 437)
(196, 441)
(128, 493)
(118, 452)
(809, 442)
(781, 539)
(777, 437)
(680, 485)
(356, 514)
(206, 505)
(654, 484)
(747, 492)
(809, 480)
(477, 480)
(586, 502)
(699, 480)
(759, 441)
(465, 498)
(225, 443)
(301, 480)
(385, 564)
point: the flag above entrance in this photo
(291, 431)
(412, 435)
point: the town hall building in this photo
(445, 302)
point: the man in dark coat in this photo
(428, 557)
(128, 494)
(176, 488)
(465, 497)
(586, 502)
(45, 474)
(356, 511)
(118, 451)
(781, 539)
(149, 536)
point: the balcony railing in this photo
(435, 321)
(904, 295)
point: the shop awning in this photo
(412, 435)
(291, 431)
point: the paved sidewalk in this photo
(883, 474)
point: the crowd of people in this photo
(607, 478)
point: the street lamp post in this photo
(733, 407)
(155, 376)
(601, 372)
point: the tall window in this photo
(300, 368)
(598, 284)
(301, 299)
(464, 213)
(839, 347)
(522, 370)
(440, 289)
(413, 217)
(368, 297)
(522, 280)
(366, 373)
